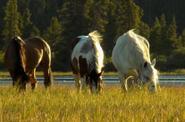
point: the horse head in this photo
(96, 80)
(149, 75)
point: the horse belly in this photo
(120, 59)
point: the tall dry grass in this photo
(63, 104)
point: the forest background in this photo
(60, 21)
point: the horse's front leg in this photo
(14, 78)
(123, 82)
(47, 77)
(100, 86)
(77, 82)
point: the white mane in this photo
(99, 55)
(95, 36)
(142, 46)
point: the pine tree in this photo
(164, 43)
(28, 28)
(128, 15)
(11, 21)
(53, 37)
(75, 20)
(155, 37)
(37, 8)
(172, 35)
(182, 38)
(110, 30)
(144, 30)
(98, 14)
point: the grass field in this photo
(63, 104)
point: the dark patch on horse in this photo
(83, 66)
(86, 47)
(74, 66)
(74, 42)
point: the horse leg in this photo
(100, 86)
(22, 82)
(12, 74)
(47, 77)
(123, 82)
(90, 83)
(19, 80)
(84, 82)
(78, 83)
(33, 79)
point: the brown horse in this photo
(23, 57)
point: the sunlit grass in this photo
(62, 103)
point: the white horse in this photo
(87, 61)
(131, 53)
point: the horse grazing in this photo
(87, 61)
(131, 54)
(23, 57)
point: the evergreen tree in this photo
(172, 35)
(75, 20)
(53, 37)
(98, 14)
(182, 38)
(144, 30)
(155, 37)
(11, 21)
(164, 43)
(28, 28)
(2, 4)
(110, 30)
(38, 9)
(128, 15)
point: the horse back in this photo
(38, 52)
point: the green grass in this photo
(63, 104)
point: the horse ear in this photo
(154, 62)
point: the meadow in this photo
(61, 103)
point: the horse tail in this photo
(17, 49)
(20, 53)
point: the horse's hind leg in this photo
(47, 77)
(33, 80)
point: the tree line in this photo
(60, 21)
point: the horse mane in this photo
(133, 34)
(96, 38)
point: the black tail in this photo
(20, 60)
